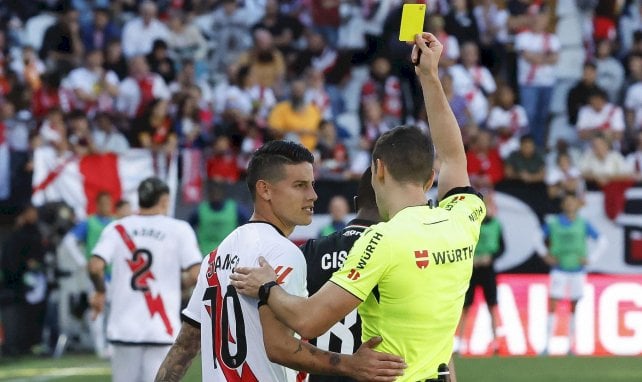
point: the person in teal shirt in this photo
(216, 218)
(566, 235)
(338, 211)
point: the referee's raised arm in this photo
(444, 129)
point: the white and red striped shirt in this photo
(536, 75)
(610, 117)
(239, 354)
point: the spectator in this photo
(610, 73)
(508, 120)
(285, 29)
(21, 267)
(185, 40)
(564, 178)
(154, 130)
(526, 164)
(295, 119)
(338, 208)
(93, 87)
(29, 68)
(601, 117)
(373, 124)
(318, 54)
(328, 102)
(629, 24)
(160, 63)
(187, 123)
(485, 165)
(80, 137)
(326, 19)
(450, 53)
(249, 98)
(538, 54)
(459, 107)
(384, 88)
(140, 88)
(98, 33)
(222, 164)
(215, 218)
(473, 82)
(140, 33)
(633, 98)
(264, 59)
(634, 159)
(62, 46)
(492, 24)
(49, 96)
(53, 131)
(106, 138)
(461, 23)
(601, 165)
(578, 95)
(332, 155)
(114, 59)
(230, 28)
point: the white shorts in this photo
(136, 363)
(567, 285)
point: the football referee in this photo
(409, 274)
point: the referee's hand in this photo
(371, 365)
(426, 54)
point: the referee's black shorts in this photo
(485, 277)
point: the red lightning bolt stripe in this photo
(154, 304)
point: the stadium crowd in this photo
(545, 92)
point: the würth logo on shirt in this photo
(422, 259)
(282, 273)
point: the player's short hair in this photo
(150, 191)
(366, 198)
(268, 161)
(407, 153)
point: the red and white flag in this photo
(78, 181)
(5, 170)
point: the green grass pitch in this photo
(77, 368)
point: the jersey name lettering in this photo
(229, 262)
(333, 260)
(148, 232)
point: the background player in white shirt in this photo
(237, 339)
(147, 253)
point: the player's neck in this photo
(369, 214)
(151, 211)
(269, 217)
(403, 196)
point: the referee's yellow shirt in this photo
(412, 273)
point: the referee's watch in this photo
(264, 292)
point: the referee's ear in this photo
(430, 181)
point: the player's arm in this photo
(190, 275)
(444, 129)
(366, 364)
(96, 269)
(181, 354)
(310, 317)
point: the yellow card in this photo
(412, 21)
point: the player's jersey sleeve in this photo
(192, 313)
(107, 244)
(467, 204)
(365, 265)
(190, 252)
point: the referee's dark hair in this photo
(407, 153)
(268, 161)
(150, 191)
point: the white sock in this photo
(550, 322)
(571, 329)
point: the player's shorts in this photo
(567, 285)
(136, 363)
(485, 277)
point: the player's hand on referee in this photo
(426, 45)
(247, 281)
(371, 365)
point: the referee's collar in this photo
(264, 222)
